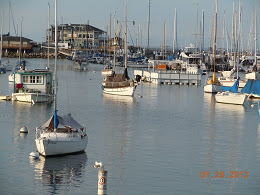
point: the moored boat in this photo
(33, 86)
(60, 135)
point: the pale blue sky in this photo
(35, 17)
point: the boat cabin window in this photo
(32, 79)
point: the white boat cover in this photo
(65, 121)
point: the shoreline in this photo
(32, 55)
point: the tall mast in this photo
(239, 29)
(235, 42)
(114, 40)
(197, 26)
(215, 42)
(20, 49)
(9, 18)
(48, 35)
(223, 35)
(1, 38)
(233, 26)
(202, 42)
(110, 40)
(125, 37)
(55, 69)
(148, 46)
(163, 40)
(255, 30)
(175, 32)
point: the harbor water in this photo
(167, 139)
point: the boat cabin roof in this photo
(35, 71)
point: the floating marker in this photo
(102, 178)
(24, 129)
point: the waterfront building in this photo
(13, 43)
(78, 36)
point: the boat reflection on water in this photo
(209, 99)
(116, 99)
(230, 108)
(60, 172)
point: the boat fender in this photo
(210, 82)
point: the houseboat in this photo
(33, 86)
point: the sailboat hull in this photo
(211, 88)
(230, 98)
(123, 91)
(52, 144)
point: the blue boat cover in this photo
(252, 87)
(234, 88)
(56, 121)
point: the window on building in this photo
(25, 79)
(84, 36)
(32, 79)
(80, 35)
(38, 79)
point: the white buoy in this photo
(102, 178)
(24, 129)
(34, 155)
(139, 96)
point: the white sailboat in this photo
(60, 135)
(213, 85)
(231, 96)
(120, 84)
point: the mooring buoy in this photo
(24, 129)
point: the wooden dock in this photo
(169, 77)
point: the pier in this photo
(169, 77)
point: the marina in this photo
(130, 97)
(172, 130)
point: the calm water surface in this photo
(157, 144)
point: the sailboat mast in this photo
(232, 40)
(125, 38)
(215, 42)
(1, 38)
(197, 26)
(55, 69)
(163, 39)
(20, 49)
(255, 30)
(109, 42)
(202, 42)
(235, 39)
(48, 35)
(114, 40)
(149, 26)
(223, 35)
(174, 31)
